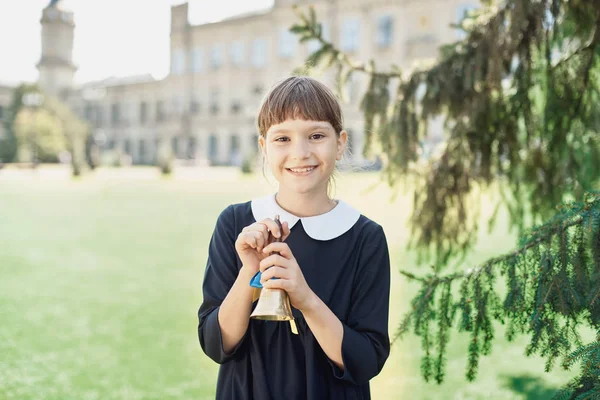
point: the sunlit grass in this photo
(100, 281)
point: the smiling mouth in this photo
(302, 170)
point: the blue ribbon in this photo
(255, 281)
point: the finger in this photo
(277, 284)
(259, 227)
(260, 239)
(250, 240)
(281, 247)
(275, 259)
(286, 230)
(273, 227)
(274, 272)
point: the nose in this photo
(300, 149)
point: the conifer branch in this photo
(545, 303)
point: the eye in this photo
(281, 139)
(317, 136)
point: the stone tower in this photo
(56, 63)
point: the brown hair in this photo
(299, 97)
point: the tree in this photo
(8, 146)
(45, 129)
(75, 132)
(519, 96)
(39, 135)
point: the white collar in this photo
(326, 226)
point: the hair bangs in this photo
(299, 98)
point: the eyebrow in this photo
(310, 128)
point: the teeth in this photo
(301, 169)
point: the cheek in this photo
(274, 156)
(330, 153)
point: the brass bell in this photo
(273, 304)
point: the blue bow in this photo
(255, 281)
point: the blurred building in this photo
(205, 108)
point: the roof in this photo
(237, 17)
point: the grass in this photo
(100, 281)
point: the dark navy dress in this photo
(349, 272)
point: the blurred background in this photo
(126, 127)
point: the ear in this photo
(341, 144)
(263, 145)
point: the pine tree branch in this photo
(590, 47)
(536, 305)
(314, 32)
(537, 236)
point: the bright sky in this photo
(106, 41)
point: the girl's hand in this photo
(285, 267)
(253, 238)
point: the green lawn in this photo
(100, 281)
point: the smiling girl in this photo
(332, 261)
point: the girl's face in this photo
(302, 154)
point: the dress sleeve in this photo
(366, 342)
(220, 275)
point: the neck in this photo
(305, 204)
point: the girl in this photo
(333, 262)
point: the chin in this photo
(301, 189)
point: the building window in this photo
(212, 148)
(143, 112)
(194, 107)
(99, 116)
(191, 149)
(385, 31)
(349, 40)
(127, 146)
(253, 143)
(178, 62)
(157, 148)
(257, 90)
(175, 145)
(197, 59)
(216, 56)
(287, 43)
(259, 53)
(236, 107)
(237, 53)
(115, 114)
(314, 44)
(234, 150)
(125, 113)
(142, 150)
(88, 112)
(161, 114)
(214, 101)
